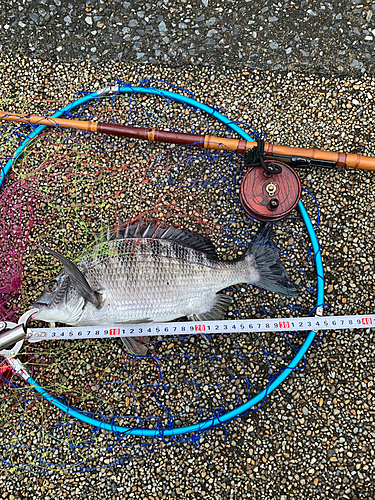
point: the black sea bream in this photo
(150, 273)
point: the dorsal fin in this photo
(155, 230)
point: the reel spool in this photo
(270, 197)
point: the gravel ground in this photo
(315, 437)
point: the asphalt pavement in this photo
(318, 36)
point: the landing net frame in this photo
(285, 372)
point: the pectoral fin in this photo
(134, 322)
(77, 278)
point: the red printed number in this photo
(366, 321)
(284, 324)
(114, 331)
(200, 328)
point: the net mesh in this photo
(68, 185)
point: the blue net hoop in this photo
(218, 420)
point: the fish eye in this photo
(51, 287)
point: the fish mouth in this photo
(40, 306)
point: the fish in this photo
(149, 272)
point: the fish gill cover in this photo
(61, 191)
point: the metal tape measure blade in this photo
(190, 328)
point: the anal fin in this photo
(215, 309)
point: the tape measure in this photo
(211, 327)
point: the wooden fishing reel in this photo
(270, 193)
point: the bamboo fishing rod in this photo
(196, 140)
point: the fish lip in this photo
(40, 306)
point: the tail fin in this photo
(263, 258)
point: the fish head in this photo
(60, 302)
(64, 298)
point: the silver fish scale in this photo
(153, 279)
